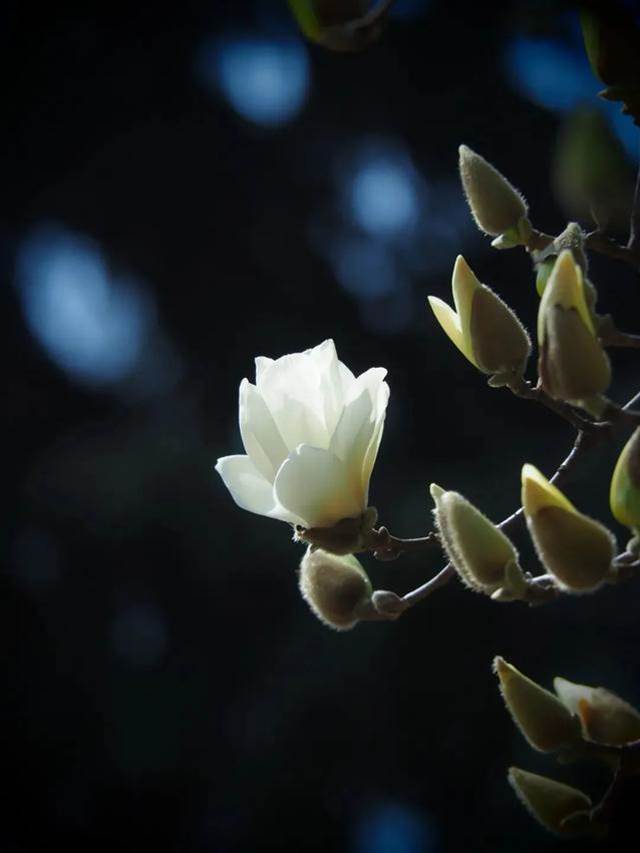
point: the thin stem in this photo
(621, 339)
(386, 547)
(441, 579)
(630, 254)
(527, 391)
(543, 586)
(538, 241)
(599, 242)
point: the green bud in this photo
(483, 327)
(624, 495)
(605, 717)
(543, 271)
(573, 365)
(575, 549)
(541, 717)
(480, 552)
(495, 204)
(337, 589)
(572, 238)
(560, 808)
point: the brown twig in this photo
(527, 391)
(597, 241)
(630, 254)
(390, 605)
(616, 338)
(386, 547)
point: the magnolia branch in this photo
(630, 254)
(542, 588)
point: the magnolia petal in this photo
(353, 432)
(249, 489)
(376, 437)
(290, 387)
(450, 322)
(464, 285)
(260, 435)
(318, 487)
(331, 385)
(565, 288)
(262, 362)
(538, 492)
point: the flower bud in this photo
(480, 552)
(495, 204)
(483, 327)
(560, 808)
(573, 365)
(337, 589)
(575, 549)
(541, 717)
(605, 717)
(624, 496)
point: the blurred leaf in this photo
(344, 26)
(591, 175)
(612, 41)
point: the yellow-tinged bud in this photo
(560, 808)
(575, 549)
(624, 495)
(605, 717)
(495, 204)
(573, 365)
(337, 589)
(481, 554)
(482, 326)
(541, 717)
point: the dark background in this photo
(165, 686)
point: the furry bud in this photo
(624, 495)
(541, 717)
(560, 808)
(480, 552)
(577, 550)
(605, 717)
(573, 365)
(482, 326)
(337, 589)
(495, 204)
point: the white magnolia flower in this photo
(311, 430)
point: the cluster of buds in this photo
(576, 551)
(572, 364)
(569, 722)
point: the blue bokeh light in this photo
(556, 74)
(365, 268)
(265, 80)
(408, 10)
(90, 323)
(395, 828)
(383, 193)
